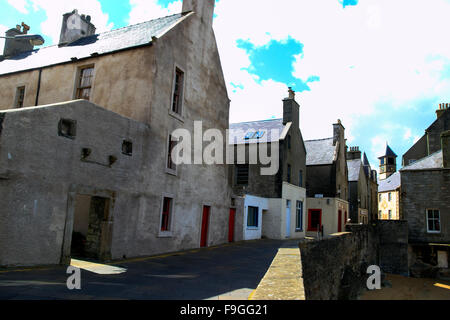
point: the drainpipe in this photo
(38, 87)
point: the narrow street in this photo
(227, 272)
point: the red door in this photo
(205, 223)
(231, 225)
(340, 221)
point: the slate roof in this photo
(433, 161)
(354, 167)
(390, 184)
(320, 152)
(238, 131)
(388, 153)
(106, 42)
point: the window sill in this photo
(172, 172)
(298, 230)
(252, 228)
(434, 232)
(177, 116)
(165, 234)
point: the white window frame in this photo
(427, 220)
(179, 116)
(297, 216)
(169, 233)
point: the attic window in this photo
(67, 128)
(127, 148)
(254, 135)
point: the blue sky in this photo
(380, 66)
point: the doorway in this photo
(339, 221)
(231, 225)
(205, 224)
(91, 233)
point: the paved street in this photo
(226, 272)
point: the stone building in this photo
(363, 187)
(430, 142)
(327, 183)
(274, 203)
(425, 204)
(389, 190)
(110, 158)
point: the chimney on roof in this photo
(74, 27)
(354, 153)
(204, 9)
(442, 108)
(14, 46)
(338, 132)
(291, 109)
(445, 144)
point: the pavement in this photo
(228, 272)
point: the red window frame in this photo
(165, 216)
(310, 212)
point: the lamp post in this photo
(34, 39)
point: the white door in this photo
(288, 218)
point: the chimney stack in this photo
(338, 132)
(354, 153)
(445, 144)
(74, 27)
(442, 108)
(204, 9)
(291, 109)
(13, 46)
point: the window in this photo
(289, 173)
(379, 198)
(315, 219)
(67, 128)
(391, 161)
(170, 164)
(177, 98)
(242, 174)
(84, 85)
(299, 216)
(254, 135)
(20, 97)
(390, 214)
(433, 221)
(300, 178)
(382, 161)
(379, 214)
(390, 196)
(166, 213)
(127, 148)
(252, 217)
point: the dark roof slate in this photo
(388, 153)
(102, 43)
(320, 152)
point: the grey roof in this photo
(433, 161)
(320, 152)
(390, 184)
(272, 131)
(388, 153)
(354, 168)
(107, 42)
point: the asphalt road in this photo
(230, 271)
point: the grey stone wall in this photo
(435, 130)
(422, 190)
(335, 268)
(393, 246)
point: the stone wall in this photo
(335, 268)
(393, 246)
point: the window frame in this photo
(16, 98)
(169, 231)
(310, 227)
(78, 79)
(237, 166)
(428, 220)
(170, 170)
(257, 217)
(180, 113)
(299, 217)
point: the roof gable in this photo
(107, 42)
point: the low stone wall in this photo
(393, 246)
(335, 268)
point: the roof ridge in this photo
(319, 139)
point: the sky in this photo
(380, 66)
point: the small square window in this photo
(242, 173)
(127, 148)
(67, 128)
(252, 217)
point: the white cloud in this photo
(144, 10)
(378, 51)
(19, 5)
